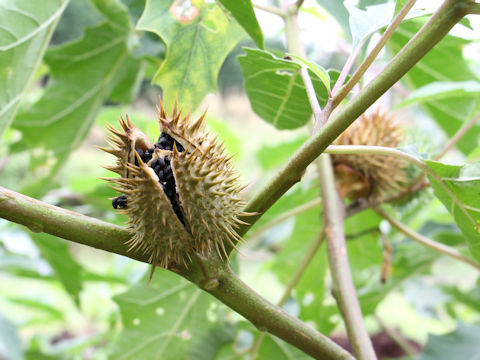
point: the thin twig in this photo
(286, 215)
(458, 135)
(307, 259)
(347, 66)
(312, 96)
(373, 54)
(271, 9)
(432, 244)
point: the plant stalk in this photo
(42, 217)
(268, 317)
(449, 13)
(347, 300)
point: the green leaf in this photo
(40, 307)
(83, 74)
(309, 292)
(440, 90)
(321, 73)
(171, 318)
(363, 23)
(462, 343)
(198, 39)
(128, 82)
(56, 252)
(274, 348)
(10, 343)
(276, 91)
(273, 156)
(242, 11)
(464, 183)
(444, 63)
(25, 32)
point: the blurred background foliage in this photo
(81, 63)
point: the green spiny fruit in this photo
(181, 194)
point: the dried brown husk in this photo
(375, 177)
(207, 186)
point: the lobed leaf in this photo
(440, 90)
(24, 35)
(169, 319)
(83, 74)
(276, 91)
(363, 23)
(56, 252)
(198, 39)
(444, 63)
(462, 343)
(319, 71)
(242, 11)
(464, 183)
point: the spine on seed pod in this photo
(181, 193)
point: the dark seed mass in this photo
(163, 169)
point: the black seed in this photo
(154, 164)
(119, 201)
(151, 150)
(161, 162)
(158, 168)
(167, 160)
(169, 177)
(139, 151)
(179, 146)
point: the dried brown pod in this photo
(374, 177)
(181, 193)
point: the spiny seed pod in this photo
(181, 194)
(371, 176)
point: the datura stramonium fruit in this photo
(374, 177)
(181, 193)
